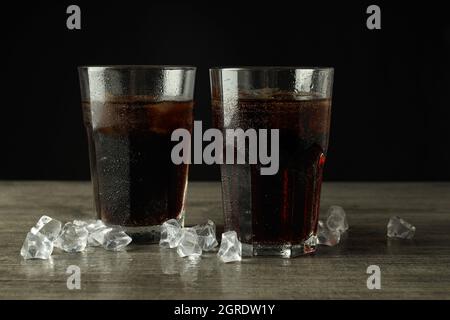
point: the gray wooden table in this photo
(417, 269)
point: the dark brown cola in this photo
(136, 183)
(282, 208)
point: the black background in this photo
(391, 104)
(164, 309)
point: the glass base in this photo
(148, 234)
(282, 250)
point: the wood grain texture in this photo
(416, 269)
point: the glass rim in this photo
(137, 67)
(271, 68)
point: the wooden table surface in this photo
(417, 269)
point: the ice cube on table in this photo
(97, 237)
(116, 239)
(111, 238)
(336, 219)
(80, 223)
(399, 228)
(48, 227)
(92, 227)
(170, 234)
(73, 238)
(36, 246)
(327, 237)
(206, 235)
(189, 246)
(230, 247)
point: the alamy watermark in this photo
(374, 280)
(73, 21)
(374, 20)
(233, 142)
(74, 278)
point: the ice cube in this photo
(327, 237)
(92, 227)
(170, 234)
(230, 247)
(188, 245)
(36, 246)
(116, 240)
(165, 117)
(399, 228)
(80, 223)
(336, 219)
(73, 238)
(206, 235)
(111, 238)
(48, 227)
(97, 237)
(262, 93)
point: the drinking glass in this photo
(273, 214)
(129, 113)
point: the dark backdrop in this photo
(391, 96)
